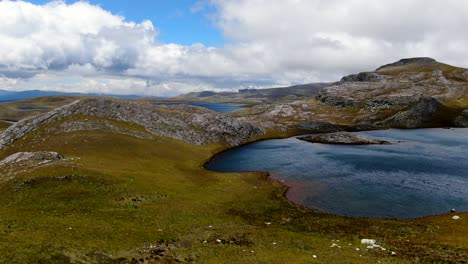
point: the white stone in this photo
(455, 217)
(368, 241)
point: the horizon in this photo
(165, 49)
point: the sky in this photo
(165, 48)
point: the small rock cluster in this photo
(343, 138)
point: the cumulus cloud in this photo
(82, 47)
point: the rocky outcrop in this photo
(90, 125)
(336, 101)
(390, 102)
(408, 78)
(362, 77)
(320, 127)
(193, 125)
(462, 120)
(342, 138)
(34, 157)
(26, 160)
(422, 114)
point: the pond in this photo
(424, 173)
(217, 107)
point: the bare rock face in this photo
(462, 120)
(362, 77)
(342, 138)
(193, 125)
(29, 159)
(419, 115)
(90, 125)
(319, 127)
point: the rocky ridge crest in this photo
(193, 125)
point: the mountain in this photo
(256, 95)
(410, 93)
(395, 83)
(6, 96)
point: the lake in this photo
(426, 173)
(217, 107)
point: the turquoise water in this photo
(426, 173)
(217, 107)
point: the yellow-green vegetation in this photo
(426, 68)
(4, 125)
(18, 110)
(119, 199)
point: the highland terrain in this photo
(105, 180)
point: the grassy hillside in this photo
(118, 199)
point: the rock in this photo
(453, 210)
(390, 102)
(419, 115)
(22, 161)
(368, 241)
(362, 77)
(193, 125)
(456, 217)
(319, 127)
(30, 157)
(336, 101)
(462, 120)
(344, 138)
(465, 113)
(90, 125)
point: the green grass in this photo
(125, 194)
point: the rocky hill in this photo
(410, 93)
(400, 83)
(290, 93)
(192, 125)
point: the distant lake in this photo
(9, 120)
(217, 107)
(33, 108)
(425, 174)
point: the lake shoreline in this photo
(288, 196)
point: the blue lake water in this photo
(9, 120)
(33, 108)
(217, 107)
(426, 173)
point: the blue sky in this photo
(173, 18)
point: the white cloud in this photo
(82, 47)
